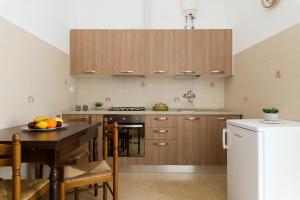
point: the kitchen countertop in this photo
(151, 112)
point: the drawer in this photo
(160, 121)
(161, 133)
(160, 152)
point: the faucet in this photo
(189, 96)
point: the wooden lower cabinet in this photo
(160, 152)
(191, 140)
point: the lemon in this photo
(42, 125)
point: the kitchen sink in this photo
(199, 109)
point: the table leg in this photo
(95, 158)
(53, 187)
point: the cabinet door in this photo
(217, 155)
(192, 140)
(160, 152)
(82, 52)
(219, 52)
(130, 57)
(106, 51)
(190, 52)
(160, 52)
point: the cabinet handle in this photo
(221, 118)
(160, 131)
(161, 118)
(217, 72)
(160, 71)
(192, 118)
(160, 144)
(188, 72)
(127, 72)
(89, 71)
(224, 134)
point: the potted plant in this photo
(271, 114)
(98, 105)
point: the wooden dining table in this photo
(48, 147)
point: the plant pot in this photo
(271, 116)
(98, 108)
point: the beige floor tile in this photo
(166, 186)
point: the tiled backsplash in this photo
(267, 74)
(146, 91)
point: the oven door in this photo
(131, 140)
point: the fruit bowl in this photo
(44, 123)
(26, 128)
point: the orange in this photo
(51, 123)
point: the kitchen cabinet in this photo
(161, 133)
(160, 121)
(219, 52)
(160, 52)
(190, 52)
(160, 152)
(82, 52)
(217, 155)
(192, 140)
(130, 52)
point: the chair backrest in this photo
(111, 131)
(10, 155)
(79, 119)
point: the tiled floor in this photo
(167, 186)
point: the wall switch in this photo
(30, 99)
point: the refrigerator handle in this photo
(224, 134)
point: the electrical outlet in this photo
(278, 74)
(143, 84)
(30, 99)
(212, 84)
(245, 99)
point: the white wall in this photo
(252, 23)
(46, 19)
(143, 14)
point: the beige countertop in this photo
(150, 112)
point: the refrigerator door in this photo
(243, 164)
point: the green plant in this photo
(271, 110)
(98, 104)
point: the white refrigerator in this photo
(263, 160)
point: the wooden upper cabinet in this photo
(160, 52)
(219, 52)
(105, 52)
(82, 51)
(190, 52)
(130, 52)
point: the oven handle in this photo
(130, 125)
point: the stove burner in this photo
(126, 109)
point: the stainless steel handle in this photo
(89, 71)
(161, 118)
(192, 118)
(217, 72)
(224, 133)
(160, 144)
(188, 72)
(160, 71)
(221, 118)
(130, 125)
(126, 72)
(160, 131)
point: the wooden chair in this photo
(17, 189)
(85, 174)
(75, 156)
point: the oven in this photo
(131, 135)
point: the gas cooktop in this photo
(126, 109)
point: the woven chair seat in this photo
(84, 171)
(29, 188)
(75, 155)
